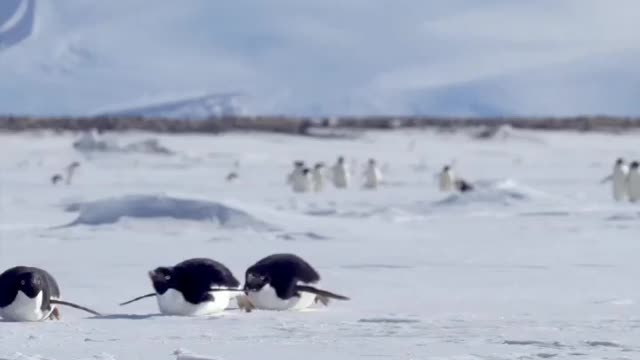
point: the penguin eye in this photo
(21, 282)
(167, 277)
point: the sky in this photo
(331, 57)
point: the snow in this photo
(550, 272)
(109, 211)
(355, 57)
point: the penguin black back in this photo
(194, 278)
(288, 275)
(288, 266)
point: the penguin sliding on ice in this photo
(283, 282)
(31, 294)
(194, 287)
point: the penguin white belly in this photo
(267, 299)
(318, 182)
(372, 178)
(301, 183)
(446, 181)
(619, 181)
(633, 183)
(340, 177)
(173, 303)
(24, 308)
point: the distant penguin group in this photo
(194, 287)
(625, 181)
(303, 179)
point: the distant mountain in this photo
(197, 108)
(351, 57)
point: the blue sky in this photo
(449, 57)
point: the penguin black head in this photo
(30, 283)
(446, 168)
(74, 164)
(319, 165)
(256, 279)
(340, 159)
(163, 279)
(619, 161)
(372, 161)
(634, 165)
(56, 179)
(298, 163)
(306, 171)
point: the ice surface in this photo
(539, 263)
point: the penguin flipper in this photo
(320, 293)
(138, 298)
(75, 306)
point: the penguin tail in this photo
(319, 292)
(138, 298)
(75, 306)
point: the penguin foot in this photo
(322, 299)
(55, 314)
(244, 303)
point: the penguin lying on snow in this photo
(31, 294)
(283, 282)
(193, 287)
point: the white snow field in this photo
(537, 263)
(355, 57)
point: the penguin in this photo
(372, 175)
(194, 287)
(55, 179)
(633, 182)
(298, 165)
(318, 177)
(283, 282)
(31, 294)
(231, 176)
(619, 180)
(462, 185)
(340, 174)
(303, 181)
(70, 169)
(447, 178)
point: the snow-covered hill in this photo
(460, 57)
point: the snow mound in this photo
(505, 192)
(111, 210)
(90, 142)
(182, 354)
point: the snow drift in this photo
(110, 210)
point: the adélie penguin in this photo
(194, 287)
(283, 282)
(31, 294)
